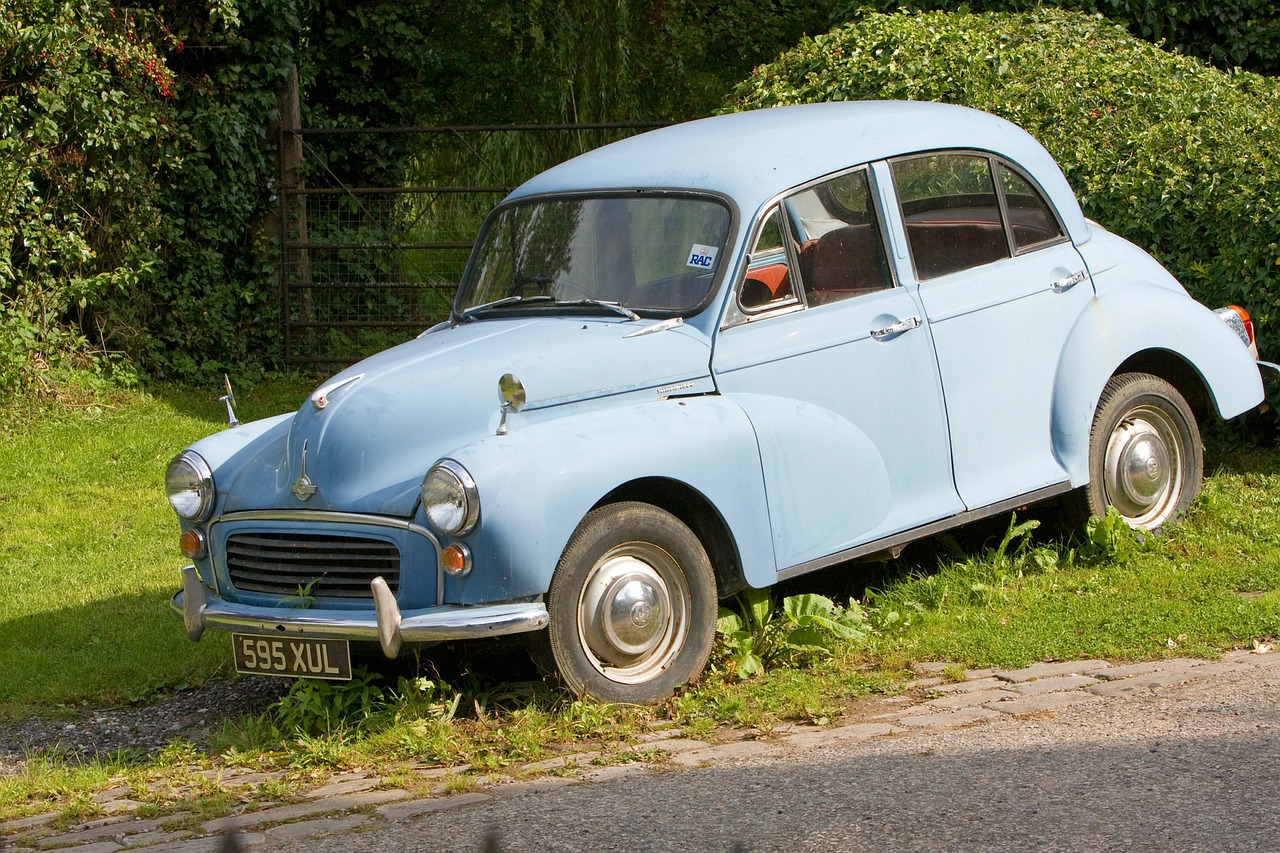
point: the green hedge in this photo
(1182, 159)
(1228, 33)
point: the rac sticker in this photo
(702, 257)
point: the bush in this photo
(1229, 33)
(84, 121)
(1180, 158)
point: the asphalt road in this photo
(1186, 768)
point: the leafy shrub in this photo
(84, 121)
(1244, 33)
(1182, 159)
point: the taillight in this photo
(1241, 323)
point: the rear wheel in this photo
(632, 606)
(1145, 457)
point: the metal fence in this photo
(366, 267)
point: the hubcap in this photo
(632, 615)
(1143, 474)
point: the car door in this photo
(829, 359)
(1001, 286)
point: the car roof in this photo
(753, 156)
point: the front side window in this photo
(646, 252)
(841, 250)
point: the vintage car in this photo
(702, 359)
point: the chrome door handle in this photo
(889, 331)
(1062, 285)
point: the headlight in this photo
(450, 499)
(189, 483)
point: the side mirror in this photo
(511, 392)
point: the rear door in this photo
(1001, 286)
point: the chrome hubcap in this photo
(632, 615)
(1144, 467)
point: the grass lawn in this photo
(88, 548)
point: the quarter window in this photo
(1030, 215)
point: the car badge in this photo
(303, 489)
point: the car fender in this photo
(537, 482)
(1122, 322)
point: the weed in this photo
(806, 627)
(313, 707)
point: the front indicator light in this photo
(456, 560)
(450, 499)
(191, 543)
(189, 485)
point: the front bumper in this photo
(389, 627)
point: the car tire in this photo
(632, 606)
(1145, 457)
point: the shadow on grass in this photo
(121, 649)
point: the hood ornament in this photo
(320, 399)
(303, 489)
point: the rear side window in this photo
(951, 212)
(962, 210)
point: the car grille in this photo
(309, 565)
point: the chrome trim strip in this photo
(388, 626)
(323, 516)
(908, 536)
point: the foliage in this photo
(991, 576)
(758, 635)
(1186, 164)
(83, 120)
(1244, 33)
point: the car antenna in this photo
(230, 399)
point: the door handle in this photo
(1062, 285)
(894, 329)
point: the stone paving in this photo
(356, 801)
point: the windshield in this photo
(644, 252)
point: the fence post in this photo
(295, 260)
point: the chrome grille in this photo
(315, 565)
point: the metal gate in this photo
(364, 267)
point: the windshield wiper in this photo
(471, 312)
(615, 307)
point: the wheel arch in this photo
(1178, 372)
(699, 514)
(1143, 328)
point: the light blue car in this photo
(706, 358)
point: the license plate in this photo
(292, 657)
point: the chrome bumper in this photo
(389, 627)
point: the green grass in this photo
(88, 547)
(88, 563)
(1211, 583)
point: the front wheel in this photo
(632, 606)
(1145, 457)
